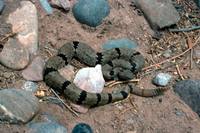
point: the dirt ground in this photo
(163, 114)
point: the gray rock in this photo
(30, 86)
(119, 43)
(34, 72)
(17, 106)
(159, 13)
(91, 12)
(162, 79)
(47, 127)
(24, 21)
(189, 92)
(14, 56)
(2, 4)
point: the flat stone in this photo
(159, 13)
(14, 56)
(119, 43)
(162, 79)
(189, 92)
(17, 106)
(34, 72)
(91, 12)
(2, 4)
(24, 21)
(47, 127)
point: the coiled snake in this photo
(117, 63)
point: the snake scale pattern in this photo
(117, 64)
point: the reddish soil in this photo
(163, 114)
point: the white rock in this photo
(25, 22)
(162, 79)
(90, 79)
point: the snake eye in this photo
(111, 73)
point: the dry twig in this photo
(189, 42)
(179, 72)
(185, 29)
(67, 106)
(133, 106)
(112, 83)
(7, 36)
(174, 57)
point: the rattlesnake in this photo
(117, 63)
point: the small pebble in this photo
(30, 86)
(46, 6)
(14, 56)
(120, 43)
(162, 79)
(178, 112)
(2, 4)
(82, 128)
(17, 106)
(34, 72)
(64, 4)
(46, 127)
(91, 12)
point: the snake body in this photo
(117, 63)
